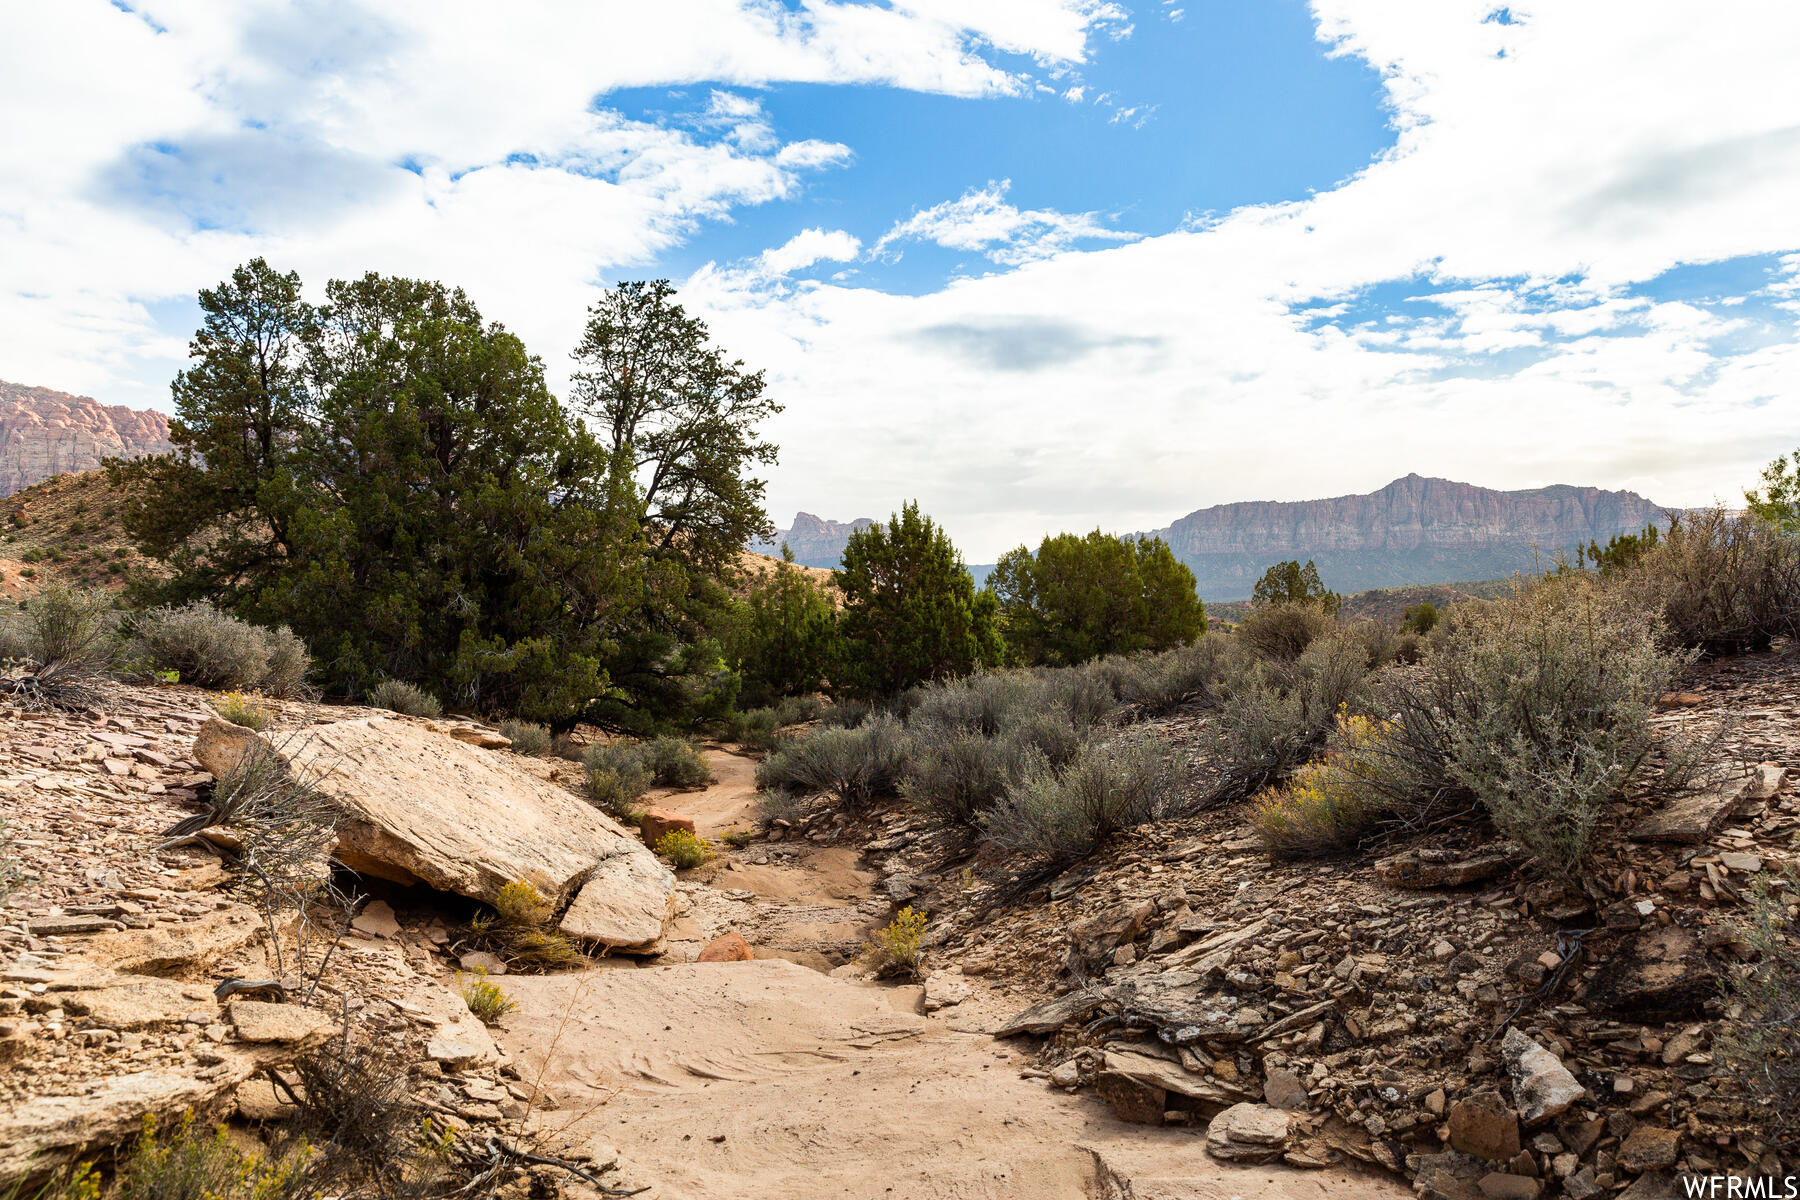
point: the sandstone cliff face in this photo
(1415, 530)
(45, 433)
(815, 541)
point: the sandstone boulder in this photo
(657, 821)
(1483, 1125)
(729, 947)
(625, 903)
(1438, 868)
(1690, 820)
(1248, 1133)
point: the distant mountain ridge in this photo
(815, 542)
(45, 433)
(1416, 530)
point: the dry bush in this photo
(60, 647)
(188, 1162)
(1061, 814)
(396, 695)
(520, 928)
(214, 649)
(854, 765)
(1270, 716)
(685, 850)
(243, 710)
(351, 1103)
(1327, 805)
(527, 737)
(898, 948)
(1536, 706)
(1160, 683)
(616, 778)
(1725, 583)
(674, 762)
(753, 730)
(1283, 631)
(774, 806)
(484, 998)
(1761, 1037)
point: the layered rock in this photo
(814, 541)
(45, 433)
(1414, 530)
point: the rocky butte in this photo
(45, 433)
(1414, 530)
(815, 541)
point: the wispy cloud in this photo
(982, 220)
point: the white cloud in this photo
(981, 220)
(810, 246)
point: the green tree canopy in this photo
(1420, 618)
(1079, 597)
(1777, 501)
(786, 640)
(910, 609)
(389, 475)
(1290, 583)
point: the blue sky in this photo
(1040, 264)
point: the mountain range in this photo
(45, 433)
(1416, 530)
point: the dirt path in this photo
(771, 1078)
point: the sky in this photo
(1037, 264)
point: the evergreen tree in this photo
(1290, 583)
(787, 638)
(1080, 597)
(1778, 500)
(910, 609)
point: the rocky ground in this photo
(1178, 1017)
(1404, 1005)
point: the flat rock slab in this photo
(1662, 974)
(1048, 1016)
(1152, 1071)
(1690, 820)
(422, 807)
(1437, 868)
(1248, 1133)
(625, 904)
(143, 1004)
(289, 1024)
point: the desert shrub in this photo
(1725, 584)
(617, 777)
(527, 737)
(1270, 716)
(1282, 631)
(1420, 618)
(484, 998)
(352, 1102)
(796, 710)
(846, 713)
(959, 777)
(396, 695)
(854, 765)
(1761, 1035)
(213, 649)
(683, 848)
(753, 730)
(1061, 814)
(1159, 683)
(1327, 805)
(737, 839)
(1536, 706)
(774, 806)
(186, 1162)
(61, 645)
(243, 710)
(519, 927)
(674, 762)
(898, 948)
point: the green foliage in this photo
(1420, 618)
(213, 649)
(1290, 583)
(911, 613)
(753, 730)
(898, 948)
(1622, 550)
(1078, 598)
(854, 765)
(243, 710)
(684, 849)
(389, 475)
(527, 737)
(401, 697)
(1327, 805)
(485, 999)
(1761, 1036)
(1061, 814)
(786, 638)
(64, 626)
(1777, 501)
(674, 762)
(1283, 630)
